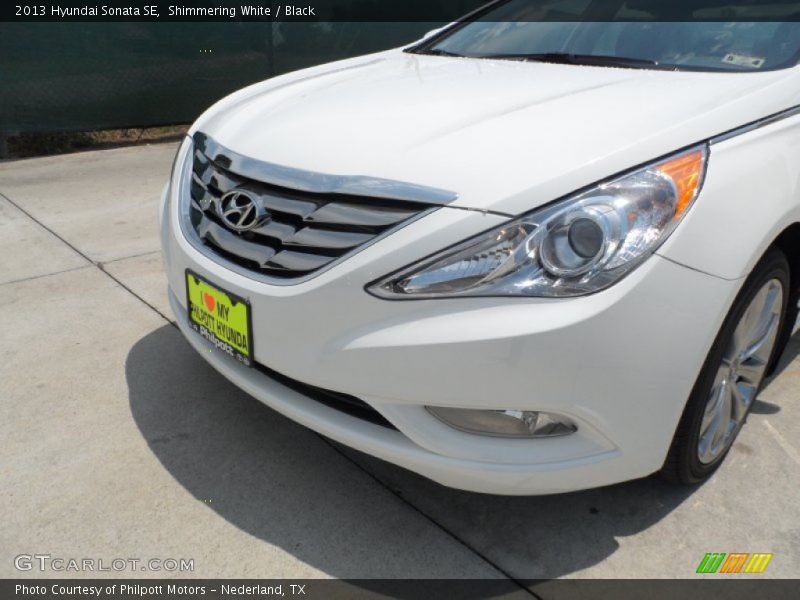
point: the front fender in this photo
(751, 194)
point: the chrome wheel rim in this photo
(741, 372)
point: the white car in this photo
(516, 257)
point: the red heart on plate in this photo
(209, 300)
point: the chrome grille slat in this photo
(344, 214)
(299, 261)
(233, 244)
(204, 172)
(224, 184)
(200, 163)
(290, 206)
(201, 197)
(279, 231)
(307, 231)
(327, 238)
(220, 181)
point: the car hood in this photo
(504, 136)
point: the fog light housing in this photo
(505, 423)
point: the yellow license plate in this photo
(220, 317)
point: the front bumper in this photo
(620, 363)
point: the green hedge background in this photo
(60, 77)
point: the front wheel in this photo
(732, 375)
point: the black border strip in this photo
(730, 587)
(365, 11)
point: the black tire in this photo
(683, 464)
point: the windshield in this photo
(630, 34)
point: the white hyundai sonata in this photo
(516, 257)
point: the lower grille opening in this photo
(345, 403)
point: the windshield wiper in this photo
(438, 52)
(568, 58)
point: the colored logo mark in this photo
(735, 562)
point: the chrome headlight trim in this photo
(621, 222)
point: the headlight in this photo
(573, 247)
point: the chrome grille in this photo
(307, 230)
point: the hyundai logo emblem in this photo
(241, 210)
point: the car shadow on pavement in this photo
(789, 355)
(787, 360)
(283, 484)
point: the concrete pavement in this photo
(119, 441)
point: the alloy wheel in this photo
(741, 372)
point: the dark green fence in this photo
(57, 77)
